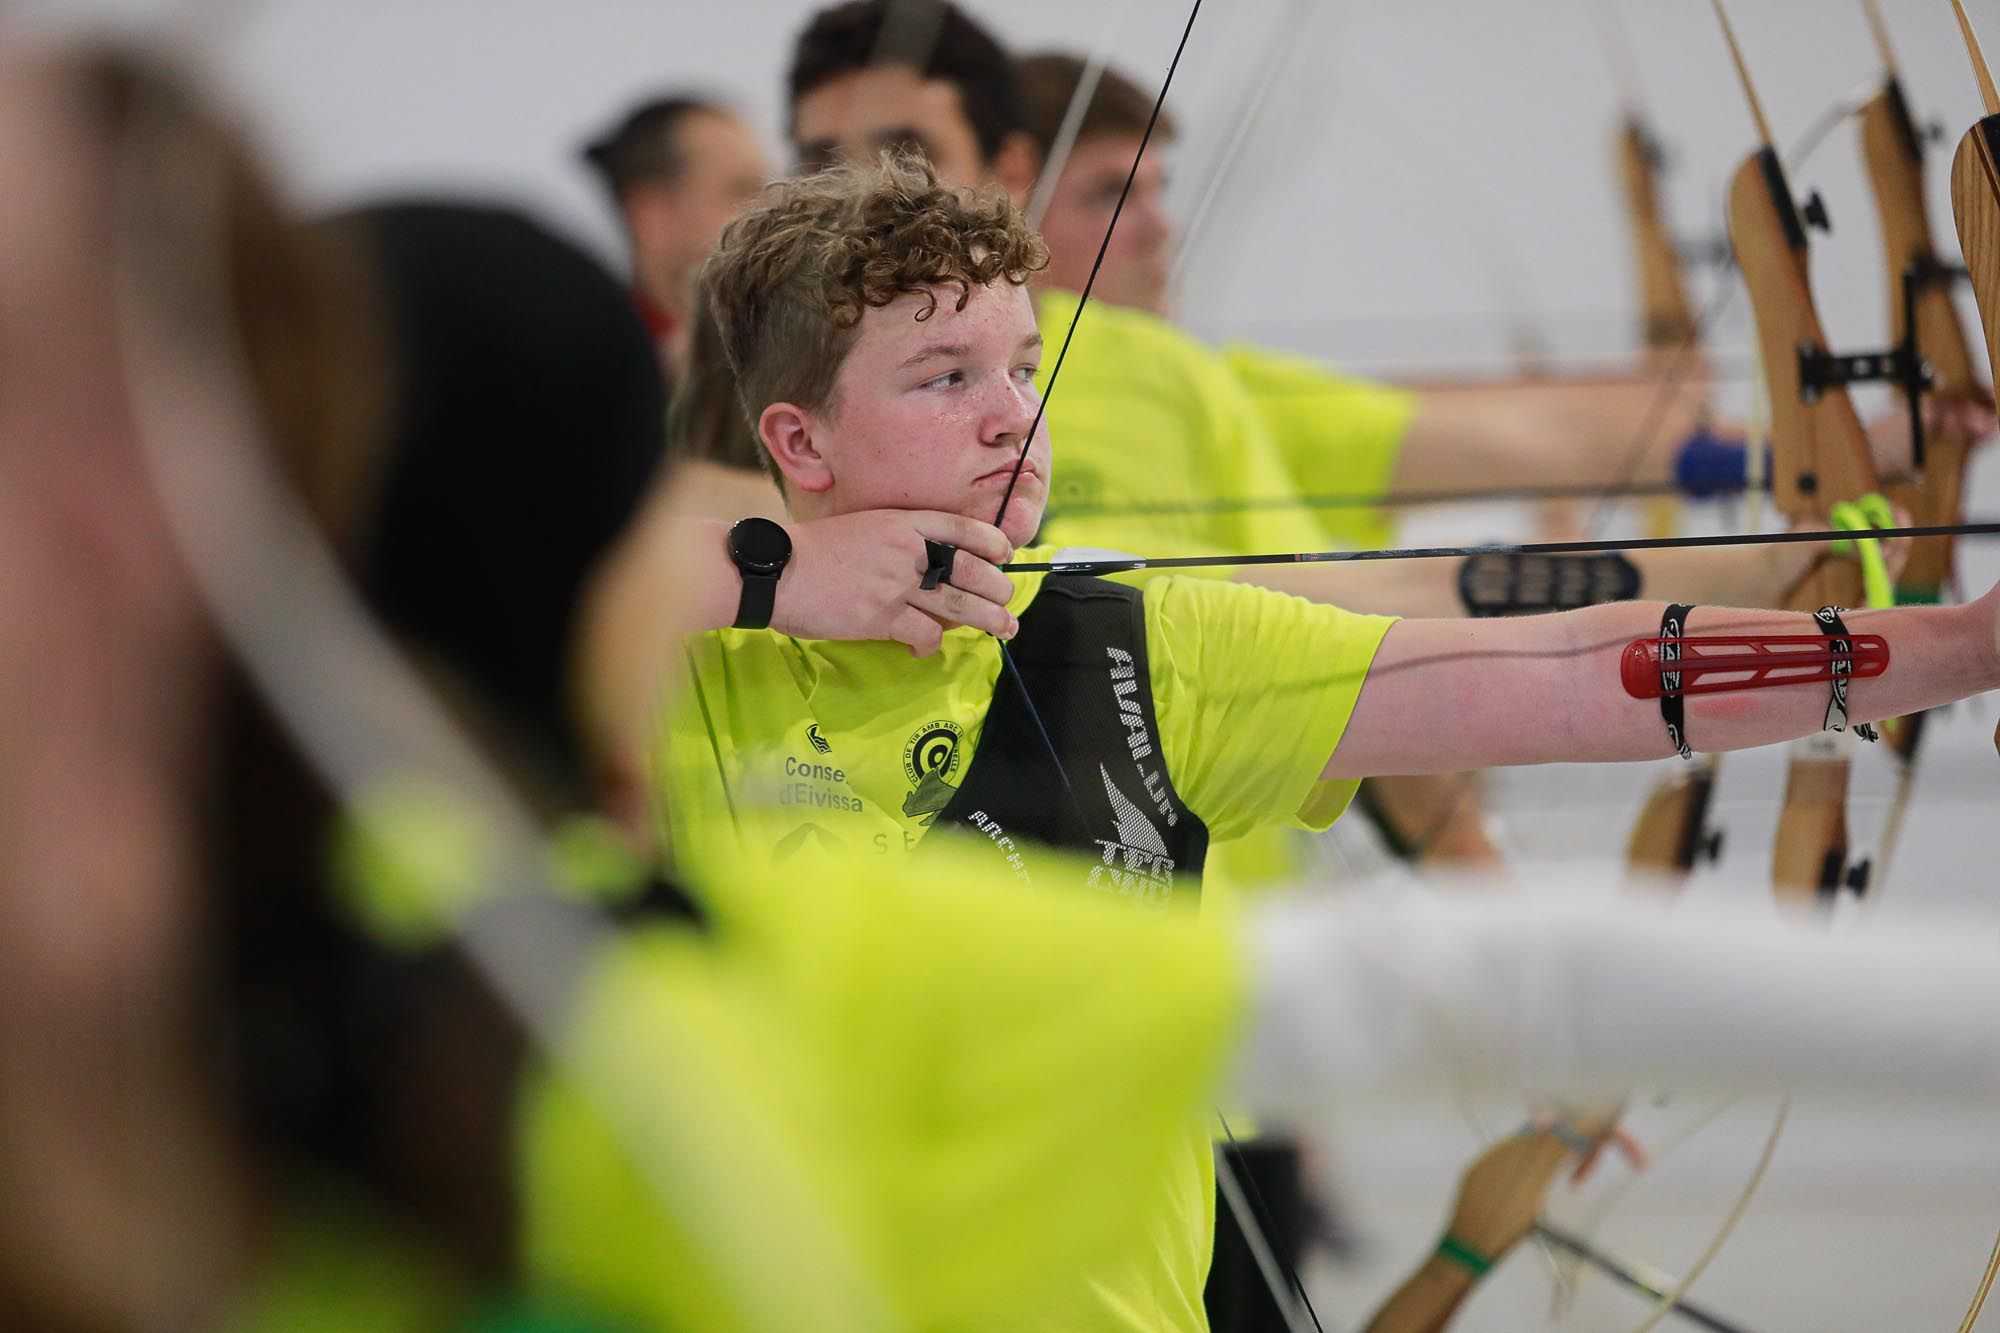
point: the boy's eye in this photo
(944, 381)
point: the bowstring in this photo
(1246, 1217)
(1083, 299)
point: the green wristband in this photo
(1471, 1260)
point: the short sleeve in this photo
(1254, 690)
(1337, 435)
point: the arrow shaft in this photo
(1125, 564)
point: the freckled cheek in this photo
(906, 457)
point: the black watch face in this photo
(759, 545)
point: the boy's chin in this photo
(1021, 523)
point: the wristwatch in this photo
(759, 549)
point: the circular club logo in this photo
(932, 752)
(1076, 485)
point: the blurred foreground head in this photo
(123, 1200)
(470, 457)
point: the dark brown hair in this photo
(1117, 106)
(645, 146)
(938, 39)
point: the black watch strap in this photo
(760, 596)
(760, 550)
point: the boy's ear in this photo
(786, 430)
(1015, 167)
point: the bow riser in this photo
(1669, 324)
(1820, 458)
(1810, 860)
(1671, 835)
(1892, 149)
(1822, 455)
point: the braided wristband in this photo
(1827, 620)
(1673, 705)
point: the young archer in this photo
(886, 348)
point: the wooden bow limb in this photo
(1668, 316)
(1924, 318)
(1821, 459)
(1667, 312)
(1672, 833)
(1669, 323)
(1975, 206)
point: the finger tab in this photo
(937, 563)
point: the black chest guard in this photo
(1105, 793)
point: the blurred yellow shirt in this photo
(880, 1096)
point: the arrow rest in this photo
(1708, 846)
(1813, 210)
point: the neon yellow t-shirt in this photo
(1146, 415)
(877, 1097)
(784, 747)
(784, 753)
(1337, 435)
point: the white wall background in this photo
(1428, 174)
(1432, 173)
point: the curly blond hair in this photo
(792, 277)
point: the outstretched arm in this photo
(1596, 434)
(1735, 576)
(1452, 694)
